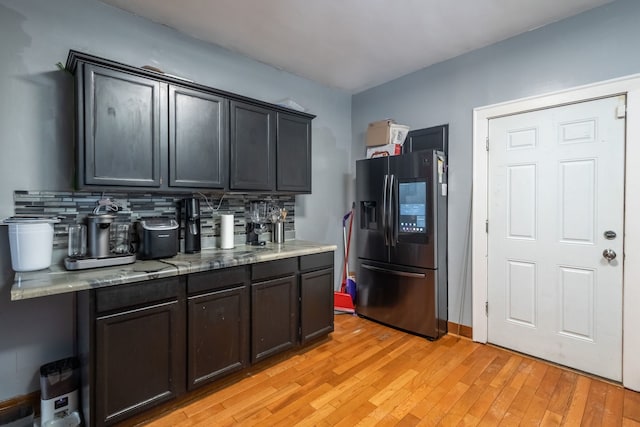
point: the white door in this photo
(556, 192)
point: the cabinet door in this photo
(197, 139)
(139, 360)
(293, 153)
(218, 334)
(252, 145)
(274, 304)
(122, 138)
(316, 304)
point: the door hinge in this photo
(486, 226)
(160, 180)
(486, 308)
(486, 144)
(621, 111)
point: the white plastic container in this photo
(31, 242)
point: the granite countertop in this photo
(57, 280)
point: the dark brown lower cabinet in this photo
(218, 325)
(274, 307)
(273, 316)
(316, 296)
(132, 348)
(316, 304)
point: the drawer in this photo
(135, 294)
(281, 267)
(217, 279)
(316, 261)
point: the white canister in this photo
(226, 231)
(31, 242)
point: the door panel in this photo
(139, 360)
(521, 211)
(556, 184)
(293, 153)
(252, 147)
(404, 298)
(521, 292)
(197, 139)
(416, 245)
(122, 128)
(370, 209)
(218, 339)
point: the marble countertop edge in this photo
(56, 280)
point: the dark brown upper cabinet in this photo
(121, 140)
(253, 147)
(197, 139)
(139, 129)
(293, 153)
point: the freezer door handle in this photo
(395, 272)
(384, 210)
(393, 220)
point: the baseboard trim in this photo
(32, 399)
(462, 330)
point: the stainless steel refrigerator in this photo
(401, 241)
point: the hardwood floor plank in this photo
(551, 419)
(352, 405)
(521, 402)
(613, 406)
(595, 404)
(632, 405)
(549, 383)
(561, 396)
(578, 401)
(367, 374)
(535, 412)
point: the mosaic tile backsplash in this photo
(73, 207)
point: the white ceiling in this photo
(354, 44)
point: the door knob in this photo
(609, 254)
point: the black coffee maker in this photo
(191, 209)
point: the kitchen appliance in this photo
(99, 251)
(31, 242)
(157, 238)
(256, 224)
(59, 383)
(401, 238)
(98, 233)
(192, 239)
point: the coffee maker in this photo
(192, 235)
(256, 224)
(98, 227)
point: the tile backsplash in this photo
(73, 207)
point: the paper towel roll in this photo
(226, 231)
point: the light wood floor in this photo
(367, 374)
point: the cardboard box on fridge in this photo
(386, 132)
(384, 151)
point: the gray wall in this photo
(36, 137)
(597, 45)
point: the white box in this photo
(384, 151)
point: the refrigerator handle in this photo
(395, 272)
(384, 210)
(393, 212)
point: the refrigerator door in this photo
(401, 297)
(372, 215)
(414, 209)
